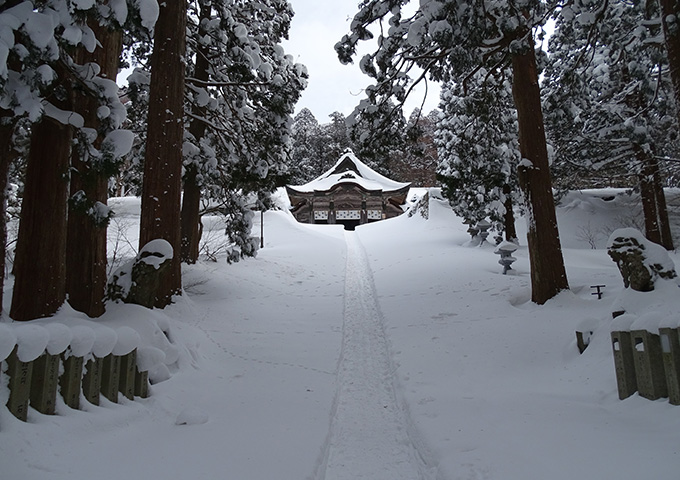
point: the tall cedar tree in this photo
(548, 276)
(40, 256)
(161, 190)
(610, 109)
(670, 16)
(86, 258)
(479, 150)
(37, 76)
(191, 201)
(453, 39)
(240, 98)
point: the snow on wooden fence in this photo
(41, 361)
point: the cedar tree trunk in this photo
(7, 156)
(647, 196)
(509, 217)
(657, 224)
(670, 10)
(86, 252)
(161, 190)
(191, 202)
(40, 259)
(662, 211)
(191, 218)
(548, 276)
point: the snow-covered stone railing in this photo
(40, 361)
(646, 357)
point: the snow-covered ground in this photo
(397, 351)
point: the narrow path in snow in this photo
(369, 436)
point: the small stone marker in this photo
(624, 364)
(92, 380)
(19, 385)
(70, 380)
(670, 351)
(651, 379)
(583, 340)
(141, 384)
(44, 383)
(128, 368)
(110, 377)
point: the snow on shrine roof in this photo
(349, 169)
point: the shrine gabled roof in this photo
(349, 169)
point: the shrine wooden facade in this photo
(350, 193)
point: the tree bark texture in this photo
(40, 259)
(662, 211)
(647, 197)
(191, 219)
(191, 201)
(509, 217)
(548, 276)
(161, 190)
(86, 253)
(657, 224)
(670, 16)
(7, 156)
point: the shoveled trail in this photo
(370, 432)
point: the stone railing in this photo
(42, 361)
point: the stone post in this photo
(651, 379)
(624, 364)
(19, 374)
(670, 351)
(92, 380)
(111, 377)
(44, 383)
(141, 384)
(128, 368)
(70, 380)
(583, 340)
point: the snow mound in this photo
(191, 416)
(31, 341)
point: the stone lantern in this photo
(472, 229)
(483, 226)
(505, 250)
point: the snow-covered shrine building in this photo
(350, 193)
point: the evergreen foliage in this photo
(478, 147)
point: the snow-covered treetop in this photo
(349, 169)
(35, 41)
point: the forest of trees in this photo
(608, 100)
(206, 114)
(410, 156)
(207, 123)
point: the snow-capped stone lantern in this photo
(505, 250)
(472, 229)
(483, 226)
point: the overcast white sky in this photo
(317, 26)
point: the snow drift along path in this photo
(369, 436)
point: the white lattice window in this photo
(348, 215)
(320, 214)
(374, 214)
